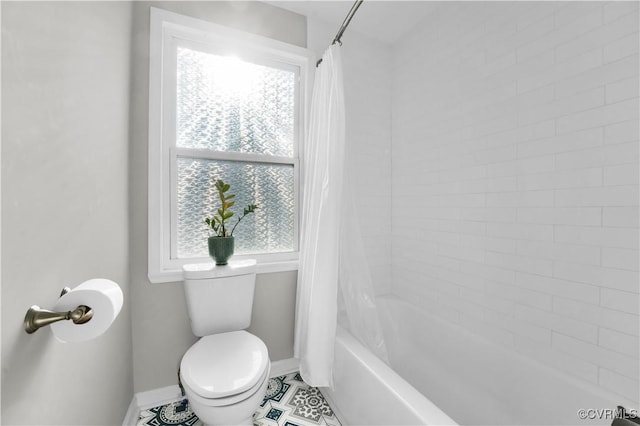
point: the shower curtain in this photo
(332, 263)
(323, 158)
(357, 309)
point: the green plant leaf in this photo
(218, 222)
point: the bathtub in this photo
(368, 392)
(442, 374)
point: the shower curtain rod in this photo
(346, 21)
(344, 25)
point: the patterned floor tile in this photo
(288, 401)
(276, 389)
(174, 413)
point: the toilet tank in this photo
(219, 297)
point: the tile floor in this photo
(289, 401)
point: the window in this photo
(228, 105)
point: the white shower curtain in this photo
(357, 310)
(323, 160)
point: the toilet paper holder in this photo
(36, 317)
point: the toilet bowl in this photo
(226, 372)
(225, 377)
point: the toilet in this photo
(226, 372)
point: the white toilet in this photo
(226, 372)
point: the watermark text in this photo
(605, 413)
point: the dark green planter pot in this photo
(221, 249)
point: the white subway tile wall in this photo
(367, 82)
(515, 179)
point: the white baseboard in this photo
(153, 398)
(159, 396)
(284, 366)
(131, 418)
(148, 399)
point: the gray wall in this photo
(65, 115)
(161, 332)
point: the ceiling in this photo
(387, 21)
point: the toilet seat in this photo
(226, 367)
(230, 400)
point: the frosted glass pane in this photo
(226, 104)
(270, 186)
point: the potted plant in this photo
(221, 240)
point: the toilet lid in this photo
(224, 364)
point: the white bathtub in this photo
(368, 392)
(471, 379)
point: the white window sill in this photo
(175, 275)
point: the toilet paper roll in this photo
(103, 296)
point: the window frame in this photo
(168, 31)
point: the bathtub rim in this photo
(420, 407)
